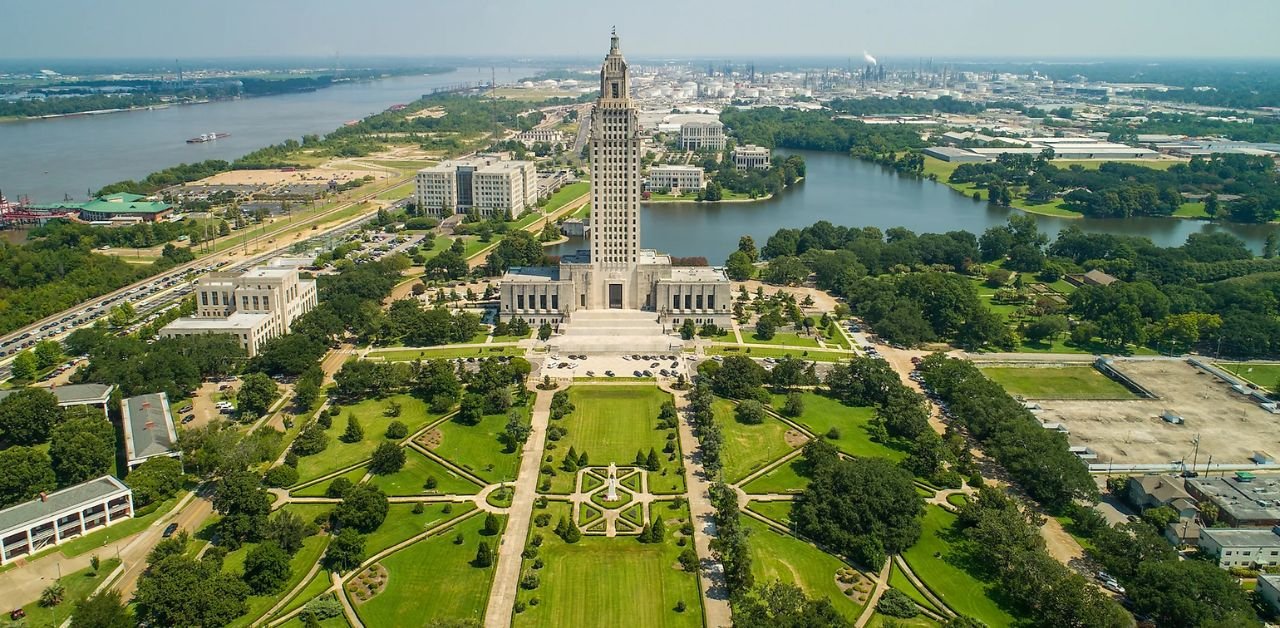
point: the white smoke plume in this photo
(870, 59)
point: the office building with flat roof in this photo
(1241, 547)
(488, 184)
(697, 135)
(751, 157)
(52, 518)
(254, 307)
(148, 429)
(1243, 502)
(676, 178)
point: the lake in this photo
(45, 159)
(850, 192)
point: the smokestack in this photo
(44, 497)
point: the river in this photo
(850, 192)
(45, 159)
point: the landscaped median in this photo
(447, 353)
(817, 355)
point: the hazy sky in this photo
(650, 28)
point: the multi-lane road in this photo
(157, 292)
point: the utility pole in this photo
(1195, 453)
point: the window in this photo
(711, 301)
(255, 302)
(555, 301)
(244, 302)
(204, 298)
(542, 301)
(266, 303)
(675, 302)
(699, 302)
(520, 301)
(688, 301)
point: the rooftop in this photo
(69, 498)
(529, 274)
(149, 426)
(1230, 537)
(123, 203)
(676, 167)
(237, 321)
(696, 274)
(1163, 489)
(75, 394)
(1243, 501)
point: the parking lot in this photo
(602, 365)
(1229, 426)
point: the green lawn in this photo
(320, 488)
(412, 478)
(946, 576)
(315, 586)
(748, 447)
(1067, 382)
(899, 581)
(402, 524)
(1191, 210)
(372, 416)
(483, 351)
(397, 193)
(432, 580)
(610, 424)
(565, 194)
(822, 413)
(782, 338)
(779, 511)
(817, 355)
(479, 448)
(1265, 376)
(775, 556)
(79, 585)
(611, 582)
(1093, 347)
(786, 478)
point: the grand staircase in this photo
(613, 331)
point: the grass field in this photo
(481, 351)
(412, 478)
(854, 424)
(748, 447)
(315, 586)
(402, 524)
(899, 581)
(1067, 382)
(612, 423)
(611, 582)
(775, 556)
(79, 585)
(779, 511)
(786, 478)
(372, 417)
(1264, 376)
(479, 448)
(432, 580)
(783, 338)
(963, 592)
(817, 355)
(320, 488)
(565, 194)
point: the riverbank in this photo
(727, 197)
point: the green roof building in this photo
(124, 206)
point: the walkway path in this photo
(506, 580)
(924, 590)
(881, 585)
(715, 593)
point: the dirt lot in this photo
(1230, 427)
(276, 177)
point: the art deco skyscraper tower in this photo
(615, 179)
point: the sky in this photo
(1037, 29)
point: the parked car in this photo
(169, 530)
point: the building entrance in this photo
(615, 296)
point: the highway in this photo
(156, 292)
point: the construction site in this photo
(1184, 415)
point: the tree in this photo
(27, 416)
(491, 525)
(104, 609)
(25, 366)
(780, 605)
(354, 433)
(739, 266)
(244, 506)
(363, 507)
(1186, 593)
(266, 568)
(345, 552)
(257, 392)
(516, 432)
(180, 591)
(48, 353)
(25, 472)
(155, 480)
(651, 462)
(544, 331)
(794, 405)
(307, 390)
(895, 603)
(52, 595)
(312, 440)
(687, 329)
(397, 430)
(82, 449)
(484, 555)
(747, 246)
(387, 458)
(750, 412)
(288, 531)
(338, 487)
(765, 329)
(864, 508)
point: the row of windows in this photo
(690, 303)
(541, 302)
